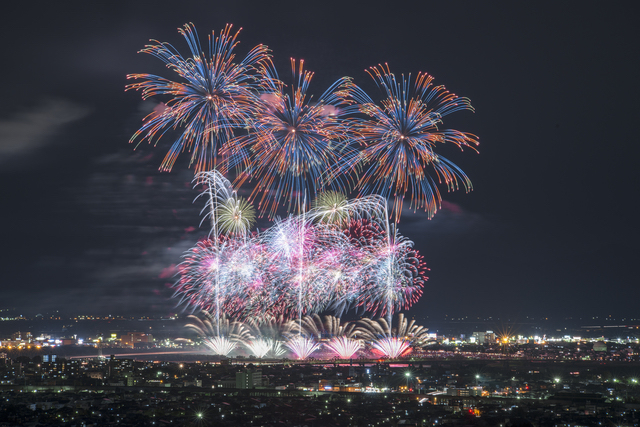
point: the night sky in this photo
(90, 226)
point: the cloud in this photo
(31, 130)
(449, 220)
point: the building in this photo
(136, 339)
(249, 378)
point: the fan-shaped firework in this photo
(220, 335)
(344, 347)
(332, 326)
(213, 95)
(220, 345)
(295, 144)
(339, 334)
(391, 347)
(259, 347)
(399, 139)
(268, 335)
(391, 342)
(418, 335)
(301, 346)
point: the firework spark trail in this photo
(214, 95)
(299, 249)
(399, 138)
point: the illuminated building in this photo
(136, 338)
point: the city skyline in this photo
(91, 222)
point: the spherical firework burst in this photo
(333, 207)
(399, 138)
(395, 276)
(214, 95)
(236, 216)
(299, 266)
(330, 206)
(295, 144)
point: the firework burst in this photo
(214, 95)
(399, 138)
(395, 276)
(295, 144)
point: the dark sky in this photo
(90, 226)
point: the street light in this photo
(408, 375)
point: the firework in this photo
(301, 266)
(391, 347)
(268, 335)
(395, 276)
(298, 252)
(295, 144)
(238, 116)
(339, 334)
(236, 216)
(369, 329)
(344, 347)
(220, 335)
(221, 345)
(332, 326)
(259, 347)
(391, 342)
(399, 138)
(301, 346)
(333, 207)
(214, 95)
